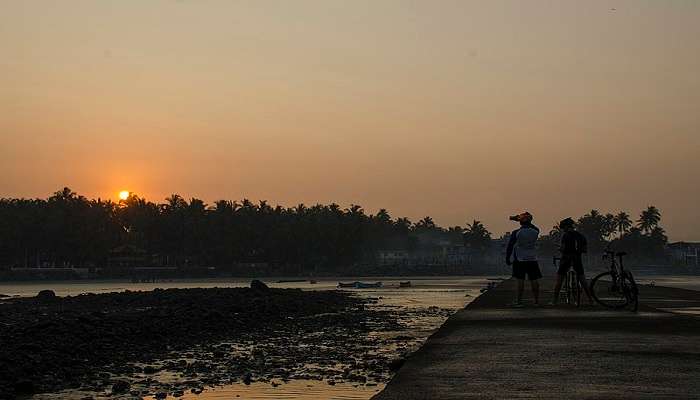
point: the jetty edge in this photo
(491, 351)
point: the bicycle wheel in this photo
(631, 291)
(608, 291)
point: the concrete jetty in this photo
(491, 351)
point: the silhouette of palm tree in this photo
(477, 236)
(649, 219)
(623, 222)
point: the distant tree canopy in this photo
(68, 229)
(644, 241)
(477, 237)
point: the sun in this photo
(124, 195)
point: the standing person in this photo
(522, 247)
(573, 245)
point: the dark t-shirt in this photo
(573, 243)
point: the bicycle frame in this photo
(617, 268)
(569, 282)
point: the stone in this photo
(148, 369)
(24, 387)
(256, 284)
(121, 387)
(46, 294)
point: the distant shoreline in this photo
(33, 275)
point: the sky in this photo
(459, 110)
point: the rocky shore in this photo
(166, 342)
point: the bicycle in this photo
(571, 293)
(615, 288)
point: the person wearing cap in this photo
(573, 245)
(522, 247)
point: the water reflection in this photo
(299, 389)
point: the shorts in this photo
(529, 268)
(568, 261)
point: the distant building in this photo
(685, 253)
(127, 256)
(438, 255)
(393, 257)
(457, 255)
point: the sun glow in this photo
(124, 194)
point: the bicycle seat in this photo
(621, 253)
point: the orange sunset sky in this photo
(454, 109)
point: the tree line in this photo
(68, 229)
(644, 238)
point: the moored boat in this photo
(360, 285)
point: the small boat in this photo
(360, 285)
(405, 284)
(291, 280)
(313, 282)
(363, 285)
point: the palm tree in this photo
(623, 223)
(649, 219)
(425, 224)
(477, 236)
(383, 217)
(403, 225)
(608, 227)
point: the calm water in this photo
(73, 288)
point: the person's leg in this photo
(535, 290)
(557, 288)
(564, 265)
(519, 275)
(534, 274)
(519, 292)
(581, 277)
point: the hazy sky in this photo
(454, 109)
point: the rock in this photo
(3, 295)
(256, 284)
(121, 387)
(160, 395)
(24, 387)
(248, 379)
(148, 369)
(46, 294)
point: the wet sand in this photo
(489, 350)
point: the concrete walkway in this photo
(489, 350)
